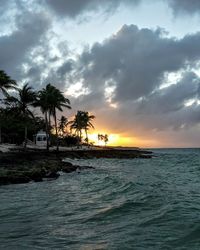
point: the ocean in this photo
(122, 204)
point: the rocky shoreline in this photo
(37, 166)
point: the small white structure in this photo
(41, 138)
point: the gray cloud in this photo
(65, 68)
(172, 98)
(4, 4)
(185, 6)
(136, 61)
(16, 47)
(73, 8)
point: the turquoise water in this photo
(122, 204)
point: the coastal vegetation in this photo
(25, 111)
(82, 121)
(6, 83)
(103, 138)
(20, 106)
(49, 100)
(19, 121)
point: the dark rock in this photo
(37, 179)
(13, 178)
(22, 167)
(67, 164)
(146, 156)
(52, 175)
(85, 167)
(19, 179)
(69, 168)
(36, 174)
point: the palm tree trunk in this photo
(25, 136)
(47, 131)
(80, 138)
(49, 128)
(86, 133)
(55, 119)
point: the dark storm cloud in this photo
(73, 8)
(14, 48)
(65, 68)
(136, 61)
(173, 97)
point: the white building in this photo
(41, 138)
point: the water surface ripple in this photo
(122, 204)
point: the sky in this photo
(134, 64)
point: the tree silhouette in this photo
(21, 104)
(104, 138)
(82, 121)
(62, 125)
(51, 99)
(6, 83)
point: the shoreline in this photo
(23, 167)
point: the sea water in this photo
(122, 204)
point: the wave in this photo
(123, 204)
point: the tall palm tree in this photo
(87, 124)
(56, 101)
(42, 101)
(59, 102)
(100, 137)
(26, 98)
(6, 83)
(82, 121)
(77, 124)
(63, 124)
(106, 139)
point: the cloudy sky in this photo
(135, 64)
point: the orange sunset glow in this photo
(116, 140)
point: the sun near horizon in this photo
(115, 139)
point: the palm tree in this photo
(87, 124)
(77, 124)
(42, 101)
(26, 98)
(100, 138)
(56, 101)
(63, 124)
(82, 120)
(49, 100)
(105, 139)
(6, 83)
